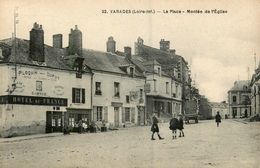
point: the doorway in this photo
(116, 116)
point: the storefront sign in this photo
(116, 104)
(32, 100)
(147, 88)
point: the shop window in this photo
(98, 88)
(116, 89)
(38, 85)
(78, 95)
(99, 113)
(127, 114)
(71, 120)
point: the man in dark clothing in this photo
(155, 127)
(180, 126)
(174, 126)
(218, 119)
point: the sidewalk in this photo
(29, 137)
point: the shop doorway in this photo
(54, 121)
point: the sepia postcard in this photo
(129, 83)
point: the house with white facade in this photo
(117, 87)
(42, 87)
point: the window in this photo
(127, 114)
(116, 89)
(127, 99)
(179, 75)
(78, 95)
(159, 71)
(167, 87)
(38, 85)
(141, 93)
(99, 113)
(234, 99)
(132, 71)
(154, 85)
(98, 88)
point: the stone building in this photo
(221, 107)
(239, 99)
(255, 92)
(117, 87)
(35, 95)
(173, 65)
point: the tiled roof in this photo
(163, 57)
(218, 105)
(242, 85)
(57, 58)
(53, 56)
(108, 62)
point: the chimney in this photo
(111, 45)
(164, 45)
(36, 49)
(75, 42)
(127, 52)
(173, 51)
(57, 40)
(138, 46)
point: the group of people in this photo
(175, 124)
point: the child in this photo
(174, 126)
(155, 127)
(180, 126)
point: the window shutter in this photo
(95, 113)
(105, 113)
(83, 95)
(123, 115)
(73, 95)
(132, 114)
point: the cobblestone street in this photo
(233, 144)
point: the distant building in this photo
(221, 107)
(255, 92)
(239, 99)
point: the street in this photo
(233, 144)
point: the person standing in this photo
(218, 119)
(174, 126)
(80, 126)
(180, 126)
(155, 127)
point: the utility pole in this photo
(15, 23)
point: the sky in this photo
(218, 47)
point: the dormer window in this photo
(132, 71)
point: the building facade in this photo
(117, 87)
(239, 99)
(255, 92)
(35, 95)
(221, 107)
